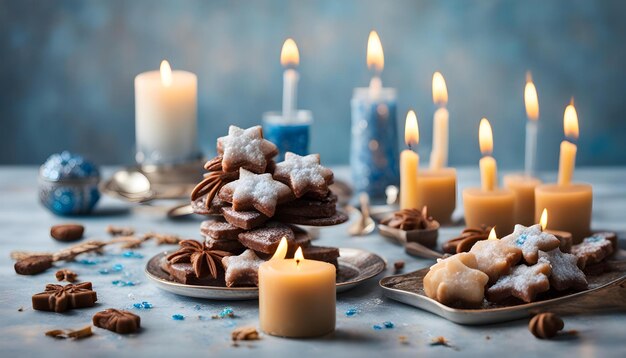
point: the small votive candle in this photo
(493, 208)
(569, 207)
(297, 297)
(436, 190)
(523, 187)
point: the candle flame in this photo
(298, 256)
(289, 55)
(411, 131)
(166, 73)
(440, 90)
(530, 99)
(485, 137)
(570, 121)
(281, 250)
(544, 219)
(492, 234)
(375, 54)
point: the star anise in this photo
(213, 181)
(202, 259)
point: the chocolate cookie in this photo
(232, 246)
(311, 208)
(242, 270)
(185, 274)
(304, 174)
(321, 253)
(60, 298)
(565, 271)
(267, 238)
(244, 219)
(337, 218)
(33, 265)
(118, 321)
(593, 250)
(220, 230)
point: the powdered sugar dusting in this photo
(245, 148)
(303, 172)
(565, 271)
(242, 269)
(531, 239)
(260, 191)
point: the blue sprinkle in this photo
(137, 305)
(120, 283)
(351, 312)
(227, 312)
(132, 255)
(88, 262)
(178, 317)
(377, 327)
(104, 271)
(521, 240)
(197, 307)
(117, 267)
(388, 324)
(145, 305)
(594, 238)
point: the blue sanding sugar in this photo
(117, 267)
(132, 255)
(388, 324)
(377, 327)
(178, 317)
(227, 312)
(104, 271)
(120, 283)
(351, 312)
(143, 305)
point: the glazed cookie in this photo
(242, 270)
(565, 271)
(245, 148)
(456, 280)
(255, 191)
(524, 282)
(495, 258)
(304, 174)
(530, 240)
(593, 250)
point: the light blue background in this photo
(67, 69)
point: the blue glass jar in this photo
(68, 184)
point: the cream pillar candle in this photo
(297, 297)
(439, 153)
(570, 205)
(489, 205)
(409, 165)
(523, 188)
(436, 189)
(165, 116)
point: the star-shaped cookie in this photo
(255, 191)
(245, 148)
(593, 250)
(495, 258)
(242, 270)
(524, 282)
(531, 239)
(456, 280)
(565, 271)
(304, 174)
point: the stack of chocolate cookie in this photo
(251, 203)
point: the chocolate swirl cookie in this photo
(410, 219)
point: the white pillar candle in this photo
(166, 116)
(532, 112)
(439, 153)
(290, 58)
(409, 165)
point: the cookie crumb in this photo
(398, 266)
(66, 275)
(21, 309)
(487, 337)
(70, 333)
(120, 231)
(403, 340)
(244, 334)
(441, 341)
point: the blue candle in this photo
(289, 136)
(374, 158)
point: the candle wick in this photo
(297, 262)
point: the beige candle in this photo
(569, 205)
(439, 153)
(297, 297)
(165, 116)
(436, 190)
(489, 205)
(409, 165)
(523, 187)
(564, 237)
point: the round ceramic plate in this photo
(355, 267)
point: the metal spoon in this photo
(365, 224)
(132, 185)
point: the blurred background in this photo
(67, 69)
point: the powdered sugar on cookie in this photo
(304, 174)
(245, 148)
(531, 239)
(258, 191)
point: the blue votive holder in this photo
(289, 135)
(68, 184)
(374, 154)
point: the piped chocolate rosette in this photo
(251, 203)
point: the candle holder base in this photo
(289, 134)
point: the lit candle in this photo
(564, 237)
(296, 296)
(409, 165)
(290, 59)
(166, 116)
(567, 160)
(439, 153)
(488, 205)
(488, 165)
(570, 205)
(532, 112)
(374, 147)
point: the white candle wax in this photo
(166, 117)
(439, 153)
(567, 162)
(290, 93)
(531, 147)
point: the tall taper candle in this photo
(532, 112)
(409, 165)
(567, 160)
(439, 153)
